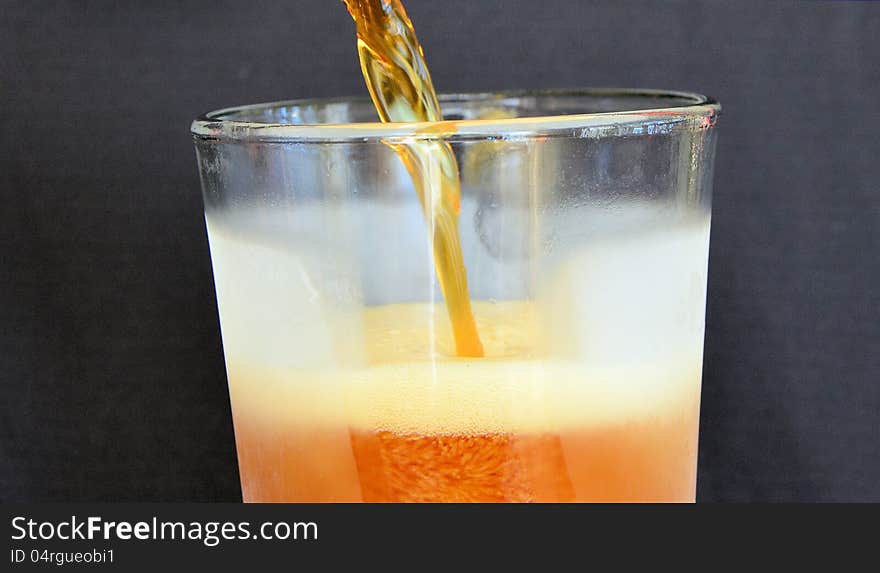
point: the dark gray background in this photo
(112, 384)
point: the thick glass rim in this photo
(697, 112)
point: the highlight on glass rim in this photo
(492, 297)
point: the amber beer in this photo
(585, 387)
(509, 427)
(639, 462)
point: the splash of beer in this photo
(400, 86)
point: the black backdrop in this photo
(111, 369)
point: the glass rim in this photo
(699, 111)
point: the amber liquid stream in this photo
(397, 77)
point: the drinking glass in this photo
(584, 223)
